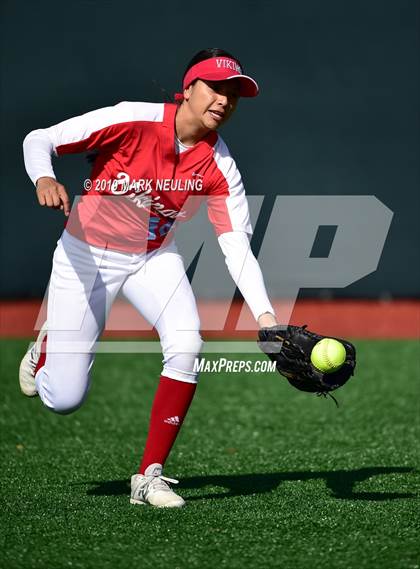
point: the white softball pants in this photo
(85, 281)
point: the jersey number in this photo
(153, 227)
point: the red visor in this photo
(221, 69)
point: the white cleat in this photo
(153, 488)
(28, 365)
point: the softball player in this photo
(152, 157)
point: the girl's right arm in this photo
(37, 151)
(93, 130)
(52, 194)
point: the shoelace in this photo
(165, 479)
(328, 394)
(156, 483)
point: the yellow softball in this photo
(328, 355)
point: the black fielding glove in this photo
(290, 347)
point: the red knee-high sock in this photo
(170, 406)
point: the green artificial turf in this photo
(273, 477)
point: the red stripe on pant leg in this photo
(43, 355)
(170, 406)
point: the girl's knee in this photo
(188, 343)
(62, 393)
(180, 356)
(69, 404)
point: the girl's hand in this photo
(267, 320)
(52, 194)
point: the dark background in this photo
(337, 114)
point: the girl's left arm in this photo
(229, 213)
(246, 273)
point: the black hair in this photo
(200, 56)
(208, 54)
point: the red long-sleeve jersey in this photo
(140, 187)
